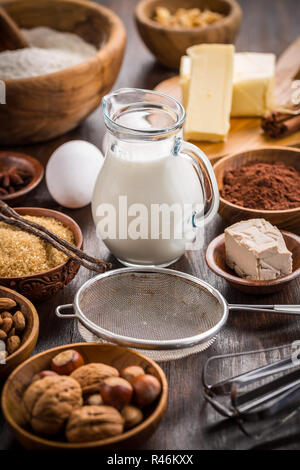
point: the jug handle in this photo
(205, 174)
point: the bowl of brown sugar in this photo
(262, 182)
(30, 265)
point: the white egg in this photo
(72, 171)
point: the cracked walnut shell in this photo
(48, 403)
(91, 376)
(93, 423)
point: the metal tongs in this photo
(268, 395)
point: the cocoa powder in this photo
(261, 185)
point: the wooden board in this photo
(246, 133)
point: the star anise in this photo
(13, 179)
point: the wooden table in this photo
(268, 26)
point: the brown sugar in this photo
(23, 254)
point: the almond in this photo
(6, 304)
(6, 324)
(19, 321)
(3, 335)
(12, 344)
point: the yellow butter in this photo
(210, 92)
(253, 83)
(184, 78)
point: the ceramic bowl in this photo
(168, 44)
(216, 260)
(30, 334)
(41, 286)
(43, 107)
(288, 219)
(115, 356)
(22, 162)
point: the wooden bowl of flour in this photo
(43, 107)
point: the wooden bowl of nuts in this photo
(19, 175)
(29, 265)
(91, 396)
(169, 27)
(19, 329)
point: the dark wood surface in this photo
(269, 26)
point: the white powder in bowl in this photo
(49, 52)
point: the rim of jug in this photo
(166, 102)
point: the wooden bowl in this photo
(40, 108)
(288, 219)
(41, 286)
(30, 334)
(92, 352)
(216, 260)
(25, 163)
(170, 44)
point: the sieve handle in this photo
(61, 308)
(207, 179)
(284, 309)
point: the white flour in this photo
(50, 51)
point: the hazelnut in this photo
(6, 324)
(12, 344)
(42, 374)
(19, 321)
(146, 389)
(66, 362)
(116, 392)
(91, 376)
(94, 399)
(132, 416)
(48, 403)
(130, 372)
(92, 423)
(3, 335)
(6, 315)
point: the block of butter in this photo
(184, 78)
(253, 83)
(256, 250)
(210, 92)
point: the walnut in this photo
(12, 344)
(92, 423)
(91, 376)
(19, 321)
(48, 403)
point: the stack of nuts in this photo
(87, 402)
(12, 325)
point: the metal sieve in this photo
(154, 308)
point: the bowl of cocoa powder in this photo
(262, 182)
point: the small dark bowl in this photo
(26, 163)
(215, 258)
(41, 286)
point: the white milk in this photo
(146, 173)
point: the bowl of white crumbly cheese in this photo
(74, 56)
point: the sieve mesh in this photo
(155, 306)
(155, 355)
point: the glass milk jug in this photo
(154, 190)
